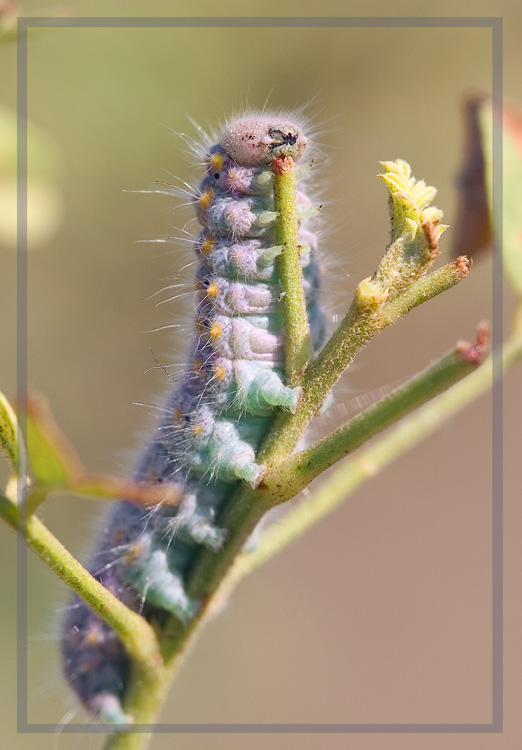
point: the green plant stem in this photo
(298, 343)
(369, 462)
(143, 702)
(291, 476)
(136, 634)
(361, 323)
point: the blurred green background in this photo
(382, 613)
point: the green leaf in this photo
(53, 460)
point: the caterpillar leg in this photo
(229, 455)
(267, 387)
(151, 578)
(196, 518)
(209, 444)
(259, 387)
(108, 707)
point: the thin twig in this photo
(361, 323)
(369, 462)
(136, 634)
(295, 473)
(298, 343)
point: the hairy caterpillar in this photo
(215, 419)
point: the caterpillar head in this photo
(255, 141)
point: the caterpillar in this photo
(216, 417)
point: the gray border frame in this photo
(496, 26)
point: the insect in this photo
(215, 418)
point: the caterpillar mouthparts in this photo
(217, 416)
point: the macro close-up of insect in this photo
(261, 320)
(215, 420)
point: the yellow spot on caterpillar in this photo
(205, 198)
(217, 161)
(133, 552)
(207, 245)
(213, 290)
(216, 329)
(92, 637)
(197, 429)
(220, 372)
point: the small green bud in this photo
(415, 228)
(369, 295)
